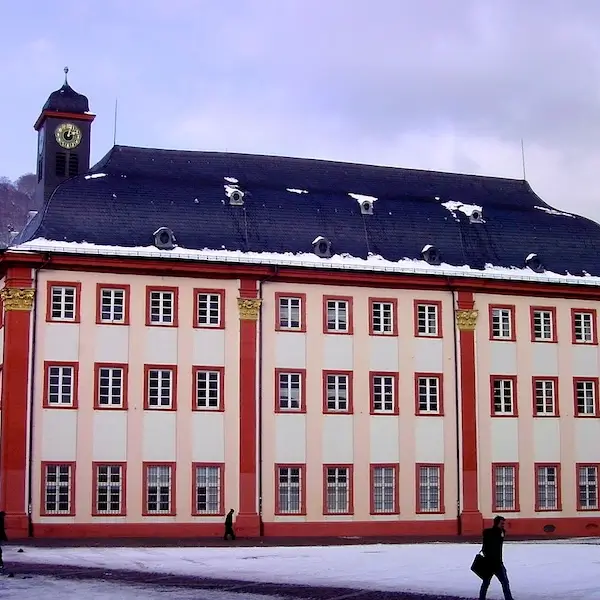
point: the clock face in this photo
(68, 135)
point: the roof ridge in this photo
(320, 160)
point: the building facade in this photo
(148, 388)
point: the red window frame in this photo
(95, 468)
(440, 378)
(58, 463)
(513, 324)
(594, 315)
(221, 467)
(147, 369)
(302, 467)
(48, 364)
(372, 469)
(540, 465)
(299, 296)
(213, 292)
(515, 411)
(394, 303)
(596, 383)
(125, 383)
(162, 288)
(350, 468)
(350, 379)
(579, 466)
(126, 302)
(438, 306)
(534, 380)
(72, 284)
(552, 311)
(145, 467)
(418, 509)
(396, 386)
(208, 368)
(302, 374)
(350, 307)
(495, 507)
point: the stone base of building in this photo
(250, 527)
(471, 523)
(16, 526)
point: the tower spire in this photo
(66, 70)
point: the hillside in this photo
(16, 200)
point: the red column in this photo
(248, 519)
(17, 297)
(471, 520)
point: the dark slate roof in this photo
(66, 99)
(145, 189)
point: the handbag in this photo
(480, 566)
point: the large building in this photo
(327, 348)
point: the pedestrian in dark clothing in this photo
(493, 539)
(3, 537)
(229, 526)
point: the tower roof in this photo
(66, 99)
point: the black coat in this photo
(3, 537)
(229, 520)
(493, 539)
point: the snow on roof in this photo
(296, 191)
(530, 256)
(360, 198)
(231, 179)
(229, 189)
(552, 211)
(467, 209)
(427, 247)
(288, 259)
(318, 239)
(95, 175)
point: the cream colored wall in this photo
(361, 439)
(137, 435)
(528, 439)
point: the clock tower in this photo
(64, 128)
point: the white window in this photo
(58, 488)
(208, 490)
(384, 490)
(384, 393)
(382, 318)
(429, 394)
(63, 303)
(209, 310)
(430, 489)
(158, 489)
(502, 328)
(587, 477)
(547, 488)
(109, 489)
(290, 314)
(290, 391)
(160, 388)
(505, 491)
(545, 397)
(61, 385)
(112, 305)
(583, 327)
(428, 320)
(338, 490)
(162, 307)
(289, 490)
(504, 396)
(337, 393)
(337, 315)
(543, 325)
(586, 397)
(208, 389)
(110, 386)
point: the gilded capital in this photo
(249, 308)
(17, 298)
(466, 320)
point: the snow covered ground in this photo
(565, 570)
(33, 588)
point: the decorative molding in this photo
(466, 320)
(249, 308)
(17, 298)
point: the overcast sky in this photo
(433, 84)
